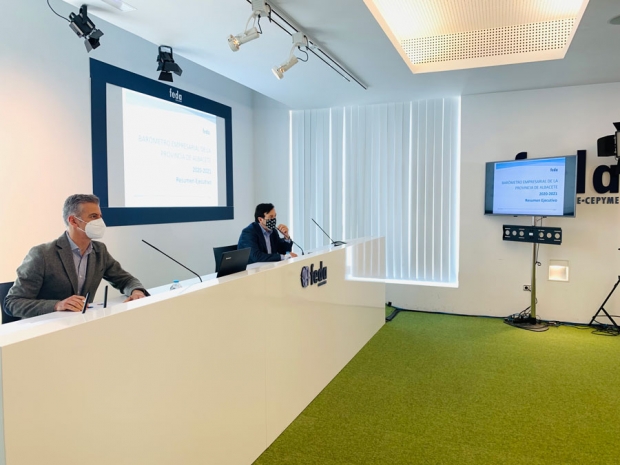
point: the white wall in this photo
(544, 123)
(271, 159)
(45, 143)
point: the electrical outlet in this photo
(527, 288)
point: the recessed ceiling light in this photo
(449, 34)
(615, 21)
(120, 5)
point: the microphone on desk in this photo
(332, 241)
(290, 239)
(85, 302)
(175, 261)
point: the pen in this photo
(85, 302)
(105, 297)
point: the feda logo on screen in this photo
(605, 180)
(311, 276)
(176, 95)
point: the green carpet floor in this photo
(439, 389)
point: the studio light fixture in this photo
(299, 40)
(259, 10)
(166, 64)
(608, 146)
(279, 71)
(82, 25)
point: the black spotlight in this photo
(84, 27)
(608, 146)
(166, 64)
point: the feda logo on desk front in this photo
(310, 276)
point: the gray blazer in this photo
(47, 275)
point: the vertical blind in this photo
(382, 170)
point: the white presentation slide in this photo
(533, 187)
(170, 154)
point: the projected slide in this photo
(533, 187)
(170, 154)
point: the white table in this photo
(208, 374)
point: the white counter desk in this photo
(208, 374)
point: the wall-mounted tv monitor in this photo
(531, 187)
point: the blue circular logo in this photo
(305, 276)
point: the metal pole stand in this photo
(530, 323)
(602, 309)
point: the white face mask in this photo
(94, 229)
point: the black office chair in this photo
(218, 251)
(4, 290)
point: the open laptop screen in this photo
(233, 262)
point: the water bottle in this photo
(176, 285)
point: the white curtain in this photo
(383, 170)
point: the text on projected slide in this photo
(535, 187)
(170, 154)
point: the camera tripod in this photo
(602, 309)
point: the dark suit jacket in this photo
(47, 275)
(253, 237)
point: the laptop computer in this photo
(233, 262)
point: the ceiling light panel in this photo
(120, 5)
(440, 35)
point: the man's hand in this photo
(284, 230)
(75, 303)
(293, 255)
(135, 295)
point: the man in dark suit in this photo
(263, 239)
(56, 276)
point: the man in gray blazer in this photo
(58, 275)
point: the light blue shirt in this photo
(267, 235)
(80, 261)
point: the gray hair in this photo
(73, 205)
